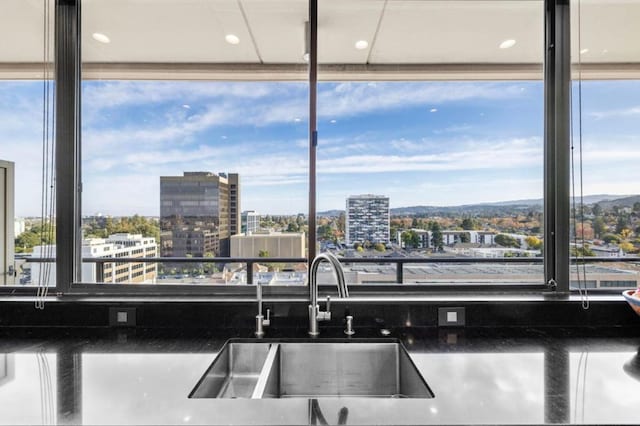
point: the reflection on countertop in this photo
(144, 377)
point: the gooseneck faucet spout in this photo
(315, 314)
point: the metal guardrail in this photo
(398, 261)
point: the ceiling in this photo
(407, 39)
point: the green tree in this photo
(469, 224)
(599, 227)
(611, 238)
(506, 241)
(622, 223)
(410, 239)
(325, 232)
(437, 239)
(582, 252)
(263, 253)
(597, 209)
(35, 236)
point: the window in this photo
(606, 107)
(185, 128)
(430, 122)
(429, 117)
(26, 135)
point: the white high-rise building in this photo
(250, 220)
(367, 219)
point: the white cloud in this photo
(626, 112)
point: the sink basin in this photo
(312, 368)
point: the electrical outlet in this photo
(122, 317)
(451, 317)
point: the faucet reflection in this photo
(315, 314)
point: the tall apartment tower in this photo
(367, 219)
(250, 222)
(199, 211)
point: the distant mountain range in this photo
(606, 201)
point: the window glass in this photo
(606, 145)
(430, 120)
(26, 143)
(195, 114)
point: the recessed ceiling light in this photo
(507, 44)
(362, 44)
(101, 38)
(583, 51)
(232, 39)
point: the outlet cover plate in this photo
(451, 317)
(122, 317)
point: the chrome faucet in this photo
(261, 322)
(315, 314)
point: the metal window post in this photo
(67, 156)
(557, 143)
(313, 130)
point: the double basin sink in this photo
(312, 368)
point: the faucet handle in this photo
(266, 322)
(324, 315)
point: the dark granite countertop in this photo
(478, 377)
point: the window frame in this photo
(557, 110)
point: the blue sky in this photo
(429, 143)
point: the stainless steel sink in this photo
(309, 368)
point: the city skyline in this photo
(421, 143)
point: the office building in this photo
(114, 246)
(199, 211)
(367, 219)
(250, 222)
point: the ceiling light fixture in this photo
(101, 38)
(507, 44)
(362, 44)
(232, 39)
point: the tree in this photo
(611, 238)
(599, 227)
(582, 252)
(325, 232)
(437, 239)
(636, 207)
(533, 242)
(627, 247)
(469, 224)
(35, 236)
(410, 239)
(597, 210)
(506, 241)
(622, 224)
(263, 253)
